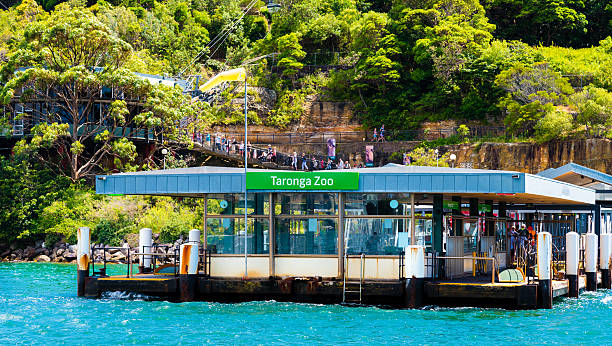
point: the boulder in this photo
(69, 256)
(42, 258)
(6, 253)
(29, 253)
(60, 252)
(118, 256)
(39, 243)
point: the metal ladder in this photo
(352, 289)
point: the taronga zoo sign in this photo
(302, 180)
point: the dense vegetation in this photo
(400, 62)
(542, 67)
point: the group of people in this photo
(219, 142)
(524, 237)
(311, 163)
(222, 143)
(379, 135)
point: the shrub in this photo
(168, 219)
(553, 126)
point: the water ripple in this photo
(38, 304)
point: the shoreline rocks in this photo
(67, 253)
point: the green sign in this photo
(450, 204)
(302, 180)
(485, 208)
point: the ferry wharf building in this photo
(340, 236)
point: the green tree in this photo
(290, 53)
(594, 106)
(554, 125)
(428, 157)
(72, 59)
(533, 91)
(25, 190)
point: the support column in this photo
(475, 214)
(590, 261)
(341, 235)
(474, 207)
(545, 270)
(457, 223)
(604, 259)
(188, 272)
(194, 236)
(145, 241)
(597, 219)
(415, 276)
(412, 221)
(83, 258)
(572, 255)
(502, 210)
(489, 224)
(204, 225)
(437, 235)
(271, 237)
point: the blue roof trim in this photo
(201, 180)
(553, 173)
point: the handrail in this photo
(361, 135)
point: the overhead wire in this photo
(220, 38)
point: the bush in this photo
(112, 232)
(168, 219)
(554, 125)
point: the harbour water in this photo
(38, 305)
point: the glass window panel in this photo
(377, 204)
(373, 236)
(423, 231)
(306, 204)
(470, 233)
(306, 236)
(233, 204)
(500, 235)
(226, 235)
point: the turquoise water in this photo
(38, 304)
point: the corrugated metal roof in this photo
(387, 179)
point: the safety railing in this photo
(474, 259)
(358, 136)
(102, 271)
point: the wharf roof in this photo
(508, 186)
(578, 175)
(583, 176)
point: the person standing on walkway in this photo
(340, 164)
(315, 163)
(382, 133)
(304, 163)
(294, 161)
(375, 136)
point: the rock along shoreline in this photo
(62, 252)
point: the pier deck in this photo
(459, 292)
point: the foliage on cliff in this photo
(399, 62)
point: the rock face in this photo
(534, 158)
(322, 117)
